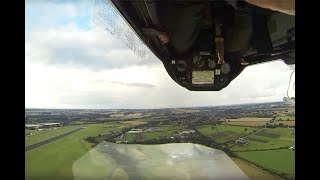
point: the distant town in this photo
(241, 131)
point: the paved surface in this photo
(50, 140)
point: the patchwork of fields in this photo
(254, 172)
(280, 161)
(266, 147)
(224, 133)
(267, 138)
(164, 131)
(62, 153)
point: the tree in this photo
(245, 129)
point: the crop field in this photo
(254, 172)
(171, 127)
(182, 111)
(286, 118)
(129, 137)
(147, 136)
(77, 123)
(279, 161)
(268, 138)
(224, 133)
(134, 123)
(55, 159)
(165, 131)
(153, 135)
(289, 123)
(249, 119)
(246, 123)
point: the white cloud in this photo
(72, 46)
(68, 66)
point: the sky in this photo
(70, 62)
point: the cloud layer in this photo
(70, 63)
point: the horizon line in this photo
(181, 107)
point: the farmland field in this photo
(285, 118)
(246, 123)
(249, 119)
(223, 133)
(279, 161)
(171, 127)
(134, 123)
(129, 137)
(153, 135)
(254, 172)
(289, 123)
(61, 154)
(147, 136)
(267, 138)
(165, 131)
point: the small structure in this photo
(135, 131)
(241, 141)
(46, 125)
(291, 147)
(32, 126)
(152, 129)
(42, 125)
(188, 131)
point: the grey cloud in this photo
(90, 99)
(133, 84)
(84, 49)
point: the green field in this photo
(171, 127)
(285, 118)
(166, 131)
(28, 131)
(55, 159)
(224, 133)
(147, 136)
(254, 172)
(279, 161)
(39, 136)
(268, 138)
(129, 137)
(153, 135)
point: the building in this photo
(152, 129)
(291, 147)
(241, 141)
(48, 125)
(41, 125)
(32, 126)
(135, 131)
(188, 132)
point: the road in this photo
(245, 135)
(51, 139)
(254, 132)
